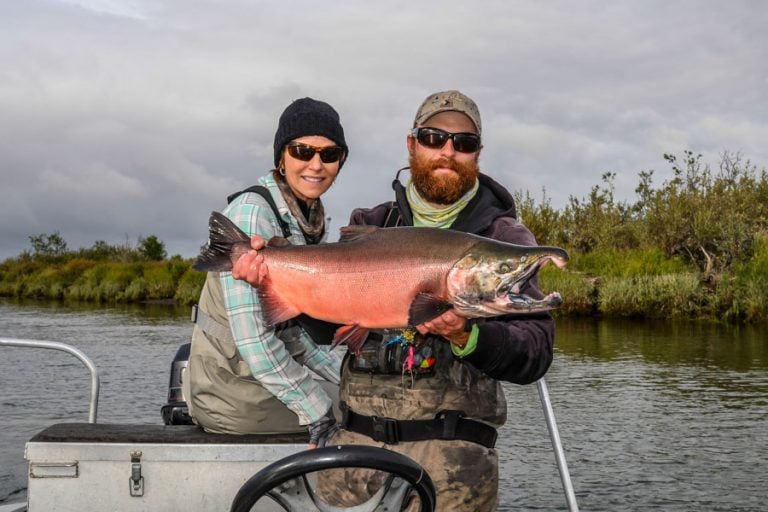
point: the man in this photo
(434, 393)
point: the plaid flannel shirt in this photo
(266, 354)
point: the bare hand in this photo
(448, 325)
(250, 266)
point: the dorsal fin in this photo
(351, 233)
(279, 241)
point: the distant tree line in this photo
(100, 273)
(52, 247)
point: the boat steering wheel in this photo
(285, 480)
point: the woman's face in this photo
(310, 179)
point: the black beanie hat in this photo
(308, 117)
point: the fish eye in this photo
(505, 268)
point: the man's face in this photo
(443, 175)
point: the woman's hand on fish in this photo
(250, 266)
(449, 325)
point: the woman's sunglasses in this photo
(435, 138)
(305, 152)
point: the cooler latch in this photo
(136, 481)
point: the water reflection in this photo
(739, 348)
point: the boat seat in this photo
(155, 434)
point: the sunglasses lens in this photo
(305, 153)
(466, 142)
(332, 154)
(301, 152)
(434, 139)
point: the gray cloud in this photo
(121, 119)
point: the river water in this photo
(652, 415)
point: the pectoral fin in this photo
(353, 335)
(425, 307)
(274, 309)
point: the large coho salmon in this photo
(394, 277)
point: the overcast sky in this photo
(121, 119)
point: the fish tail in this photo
(223, 235)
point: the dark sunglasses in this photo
(435, 138)
(305, 152)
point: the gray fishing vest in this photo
(224, 396)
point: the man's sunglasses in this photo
(305, 152)
(435, 138)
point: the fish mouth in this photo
(524, 303)
(521, 283)
(519, 302)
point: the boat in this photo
(176, 466)
(91, 466)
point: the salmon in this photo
(386, 278)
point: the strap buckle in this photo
(450, 422)
(385, 430)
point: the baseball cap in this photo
(448, 101)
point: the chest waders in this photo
(223, 396)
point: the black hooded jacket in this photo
(512, 348)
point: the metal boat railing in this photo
(557, 446)
(55, 345)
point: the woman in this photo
(246, 378)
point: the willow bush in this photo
(750, 285)
(157, 282)
(105, 282)
(190, 286)
(576, 289)
(652, 296)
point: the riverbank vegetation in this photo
(695, 246)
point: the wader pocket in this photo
(393, 357)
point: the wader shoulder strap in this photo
(393, 218)
(210, 326)
(321, 332)
(400, 204)
(263, 192)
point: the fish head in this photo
(492, 279)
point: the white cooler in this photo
(81, 467)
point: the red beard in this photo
(442, 189)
